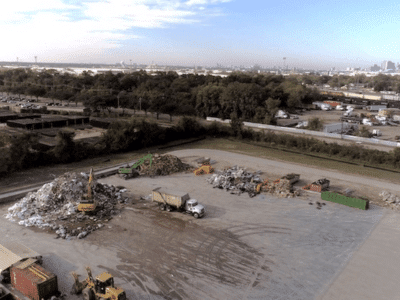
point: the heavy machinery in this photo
(204, 169)
(99, 288)
(87, 203)
(170, 199)
(133, 171)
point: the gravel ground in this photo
(244, 248)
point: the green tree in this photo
(315, 124)
(36, 91)
(64, 151)
(236, 125)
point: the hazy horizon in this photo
(310, 34)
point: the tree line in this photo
(251, 97)
(24, 151)
(380, 82)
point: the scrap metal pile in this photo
(54, 206)
(237, 180)
(163, 165)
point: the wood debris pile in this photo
(162, 165)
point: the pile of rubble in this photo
(281, 187)
(391, 199)
(54, 206)
(237, 180)
(163, 165)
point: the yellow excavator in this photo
(99, 288)
(204, 169)
(87, 203)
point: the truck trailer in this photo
(33, 281)
(170, 199)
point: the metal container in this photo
(33, 281)
(170, 197)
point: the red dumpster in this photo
(33, 281)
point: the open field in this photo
(244, 248)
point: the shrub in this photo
(315, 124)
(364, 132)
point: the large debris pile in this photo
(237, 181)
(54, 206)
(163, 165)
(281, 187)
(391, 199)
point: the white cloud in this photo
(205, 2)
(49, 27)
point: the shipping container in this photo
(376, 107)
(33, 281)
(339, 127)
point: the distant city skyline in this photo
(309, 34)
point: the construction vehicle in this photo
(204, 169)
(87, 203)
(99, 288)
(169, 199)
(133, 171)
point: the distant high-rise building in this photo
(375, 68)
(388, 65)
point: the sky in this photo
(309, 33)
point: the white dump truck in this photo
(170, 199)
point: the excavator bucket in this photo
(204, 169)
(78, 286)
(89, 272)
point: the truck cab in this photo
(194, 208)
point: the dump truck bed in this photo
(170, 197)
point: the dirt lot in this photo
(244, 248)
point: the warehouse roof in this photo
(13, 252)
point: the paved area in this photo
(372, 271)
(245, 248)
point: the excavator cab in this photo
(101, 286)
(87, 203)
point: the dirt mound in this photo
(54, 206)
(163, 165)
